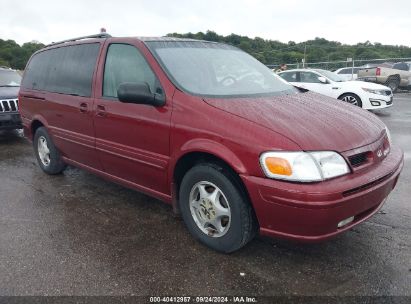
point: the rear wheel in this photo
(393, 83)
(352, 99)
(215, 209)
(48, 157)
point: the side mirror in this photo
(139, 93)
(322, 79)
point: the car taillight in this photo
(378, 72)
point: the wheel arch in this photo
(349, 93)
(195, 155)
(36, 123)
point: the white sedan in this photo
(366, 95)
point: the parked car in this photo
(234, 155)
(9, 111)
(399, 76)
(348, 73)
(365, 95)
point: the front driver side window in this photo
(124, 63)
(309, 77)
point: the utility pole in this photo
(305, 52)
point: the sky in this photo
(348, 21)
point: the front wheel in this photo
(215, 209)
(48, 157)
(351, 99)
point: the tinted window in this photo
(289, 76)
(349, 71)
(401, 66)
(124, 63)
(36, 72)
(345, 71)
(309, 77)
(66, 70)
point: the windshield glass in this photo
(330, 75)
(9, 78)
(218, 70)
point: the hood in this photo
(311, 120)
(363, 84)
(9, 92)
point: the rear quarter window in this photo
(65, 70)
(289, 76)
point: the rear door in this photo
(132, 140)
(65, 81)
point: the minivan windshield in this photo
(9, 78)
(216, 70)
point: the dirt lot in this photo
(76, 234)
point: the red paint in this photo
(139, 146)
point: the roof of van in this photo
(147, 39)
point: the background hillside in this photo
(319, 49)
(267, 51)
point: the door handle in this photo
(101, 111)
(83, 107)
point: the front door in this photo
(132, 140)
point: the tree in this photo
(15, 56)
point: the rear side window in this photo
(349, 71)
(401, 66)
(66, 70)
(344, 71)
(124, 63)
(289, 76)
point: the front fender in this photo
(211, 147)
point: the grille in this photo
(389, 102)
(358, 159)
(9, 105)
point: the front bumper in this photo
(9, 121)
(381, 102)
(311, 212)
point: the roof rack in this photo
(100, 35)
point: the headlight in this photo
(303, 166)
(378, 92)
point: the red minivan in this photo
(209, 129)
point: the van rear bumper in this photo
(312, 212)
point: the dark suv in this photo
(9, 89)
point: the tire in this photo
(351, 99)
(393, 83)
(48, 157)
(232, 212)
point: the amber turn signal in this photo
(277, 165)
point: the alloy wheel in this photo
(43, 151)
(350, 99)
(210, 209)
